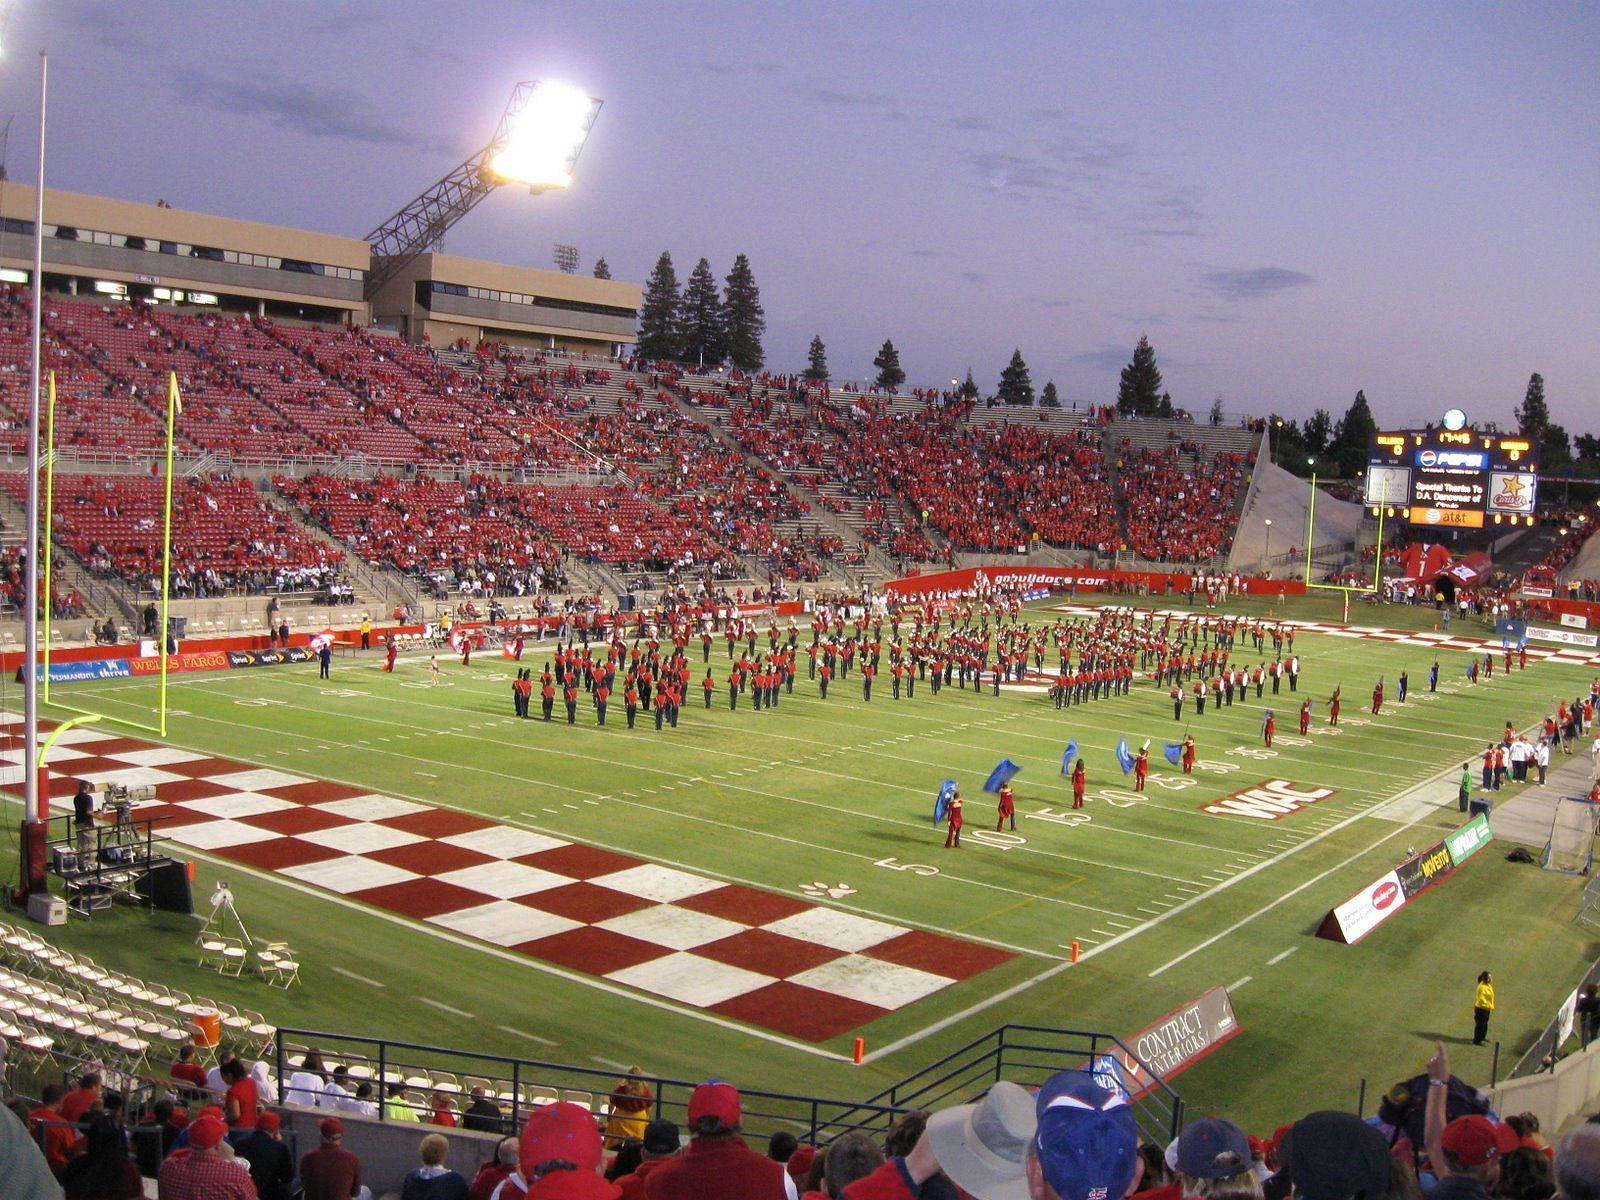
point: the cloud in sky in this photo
(317, 111)
(1254, 283)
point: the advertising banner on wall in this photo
(1378, 901)
(1178, 1040)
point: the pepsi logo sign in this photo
(1385, 894)
(1470, 459)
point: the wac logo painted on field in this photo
(1269, 800)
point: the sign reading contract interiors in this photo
(1381, 899)
(1177, 1041)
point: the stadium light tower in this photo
(537, 143)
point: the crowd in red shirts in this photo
(1178, 510)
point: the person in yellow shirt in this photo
(397, 1105)
(366, 632)
(1482, 1006)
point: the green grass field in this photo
(1164, 899)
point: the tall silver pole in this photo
(33, 802)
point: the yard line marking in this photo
(610, 1062)
(1239, 983)
(573, 807)
(429, 774)
(357, 978)
(455, 1012)
(1278, 958)
(532, 1037)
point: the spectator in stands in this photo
(23, 1168)
(188, 1072)
(483, 1115)
(559, 1157)
(330, 1172)
(1215, 1162)
(50, 1127)
(82, 1098)
(305, 1085)
(498, 1169)
(241, 1102)
(1337, 1156)
(1525, 1174)
(849, 1157)
(202, 1173)
(1075, 1140)
(398, 1106)
(433, 1180)
(717, 1161)
(271, 1167)
(782, 1145)
(661, 1142)
(443, 1109)
(630, 1107)
(1466, 1152)
(103, 1171)
(1578, 1163)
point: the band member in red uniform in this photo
(1008, 808)
(630, 698)
(1141, 769)
(1080, 780)
(391, 649)
(547, 693)
(710, 685)
(952, 819)
(1188, 756)
(570, 696)
(1305, 717)
(1269, 727)
(734, 679)
(1377, 696)
(601, 694)
(1333, 706)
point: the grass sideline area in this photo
(1166, 900)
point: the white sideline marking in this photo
(610, 1062)
(1239, 983)
(1278, 958)
(357, 978)
(532, 1037)
(455, 1012)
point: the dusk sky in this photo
(1293, 200)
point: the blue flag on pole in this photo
(1067, 755)
(1124, 759)
(942, 801)
(1003, 771)
(1173, 751)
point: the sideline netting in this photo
(128, 707)
(1570, 848)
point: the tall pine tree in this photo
(1016, 386)
(969, 386)
(602, 269)
(1352, 437)
(701, 321)
(890, 376)
(1049, 398)
(1140, 392)
(1319, 428)
(658, 312)
(817, 360)
(746, 320)
(1550, 441)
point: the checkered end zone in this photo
(787, 965)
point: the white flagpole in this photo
(34, 803)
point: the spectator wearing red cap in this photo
(271, 1166)
(717, 1162)
(1466, 1152)
(560, 1154)
(203, 1173)
(330, 1172)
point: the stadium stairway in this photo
(1516, 552)
(1285, 499)
(1587, 563)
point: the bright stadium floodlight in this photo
(537, 143)
(545, 137)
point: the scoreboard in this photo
(1452, 477)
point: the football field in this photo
(746, 894)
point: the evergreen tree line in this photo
(698, 324)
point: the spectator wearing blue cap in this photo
(1214, 1162)
(1075, 1141)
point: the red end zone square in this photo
(180, 790)
(437, 823)
(799, 1012)
(950, 957)
(430, 858)
(586, 902)
(768, 953)
(278, 853)
(580, 862)
(419, 898)
(592, 951)
(294, 821)
(745, 905)
(315, 792)
(201, 768)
